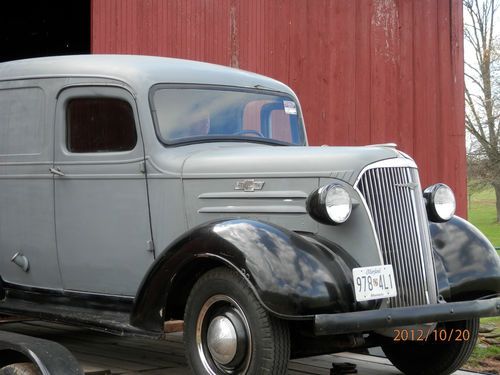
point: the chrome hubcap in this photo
(222, 341)
(223, 336)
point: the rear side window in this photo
(100, 125)
(21, 120)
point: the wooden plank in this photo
(458, 164)
(406, 94)
(98, 352)
(174, 326)
(124, 356)
(426, 89)
(363, 73)
(306, 368)
(384, 71)
(12, 319)
(370, 359)
(170, 371)
(338, 112)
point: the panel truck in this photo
(137, 190)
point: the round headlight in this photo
(330, 204)
(440, 202)
(338, 204)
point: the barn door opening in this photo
(44, 28)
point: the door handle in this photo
(56, 171)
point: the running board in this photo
(114, 322)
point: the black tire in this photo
(19, 369)
(263, 344)
(435, 357)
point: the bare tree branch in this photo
(482, 92)
(472, 67)
(477, 123)
(473, 79)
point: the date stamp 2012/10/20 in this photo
(437, 335)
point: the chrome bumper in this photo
(360, 321)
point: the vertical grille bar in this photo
(392, 198)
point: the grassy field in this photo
(482, 214)
(486, 355)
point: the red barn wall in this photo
(366, 71)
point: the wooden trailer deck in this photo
(103, 354)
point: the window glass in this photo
(207, 113)
(100, 125)
(279, 125)
(21, 120)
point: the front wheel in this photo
(227, 331)
(445, 351)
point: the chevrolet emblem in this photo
(410, 185)
(249, 185)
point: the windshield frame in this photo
(221, 138)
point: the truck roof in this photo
(135, 70)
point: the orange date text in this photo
(436, 335)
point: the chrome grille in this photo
(394, 200)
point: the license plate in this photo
(374, 282)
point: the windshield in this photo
(187, 114)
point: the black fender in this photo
(2, 289)
(293, 276)
(48, 357)
(467, 264)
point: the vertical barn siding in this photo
(366, 71)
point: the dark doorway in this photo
(44, 28)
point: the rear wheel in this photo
(227, 331)
(445, 351)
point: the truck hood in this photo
(275, 161)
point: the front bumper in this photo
(360, 321)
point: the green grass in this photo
(482, 214)
(483, 350)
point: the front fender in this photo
(293, 276)
(467, 264)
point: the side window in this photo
(21, 120)
(99, 125)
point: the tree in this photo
(482, 91)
